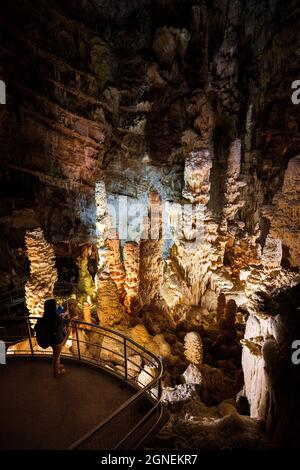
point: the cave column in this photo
(43, 272)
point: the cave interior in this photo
(150, 163)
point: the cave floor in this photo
(40, 412)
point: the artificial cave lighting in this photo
(43, 272)
(151, 186)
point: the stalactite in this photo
(43, 273)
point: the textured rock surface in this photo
(110, 311)
(131, 264)
(182, 109)
(43, 273)
(116, 267)
(193, 348)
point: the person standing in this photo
(57, 334)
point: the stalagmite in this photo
(284, 215)
(86, 311)
(85, 283)
(232, 198)
(160, 153)
(257, 330)
(151, 266)
(109, 309)
(116, 268)
(131, 254)
(43, 273)
(103, 222)
(174, 289)
(193, 348)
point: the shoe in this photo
(60, 372)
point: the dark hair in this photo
(50, 310)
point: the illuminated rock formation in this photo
(174, 120)
(193, 348)
(102, 223)
(131, 253)
(284, 217)
(257, 329)
(86, 284)
(43, 273)
(192, 375)
(86, 312)
(174, 289)
(196, 176)
(109, 309)
(151, 266)
(233, 201)
(147, 375)
(116, 267)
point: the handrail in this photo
(11, 298)
(81, 352)
(11, 293)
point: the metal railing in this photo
(112, 352)
(9, 299)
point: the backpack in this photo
(43, 333)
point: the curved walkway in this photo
(40, 412)
(111, 402)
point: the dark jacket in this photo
(58, 330)
(56, 322)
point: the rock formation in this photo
(116, 267)
(162, 137)
(131, 255)
(193, 348)
(109, 309)
(151, 263)
(43, 273)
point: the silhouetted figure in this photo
(57, 334)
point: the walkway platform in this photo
(38, 411)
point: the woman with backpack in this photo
(51, 331)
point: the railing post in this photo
(159, 388)
(125, 358)
(77, 341)
(29, 336)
